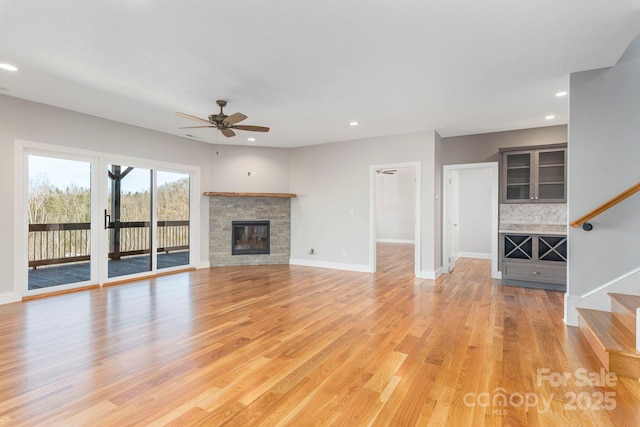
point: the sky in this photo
(61, 173)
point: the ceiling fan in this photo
(225, 124)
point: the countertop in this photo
(547, 229)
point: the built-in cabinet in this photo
(534, 175)
(535, 260)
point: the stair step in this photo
(612, 342)
(624, 307)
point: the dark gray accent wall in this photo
(224, 210)
(484, 147)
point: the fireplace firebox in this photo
(249, 237)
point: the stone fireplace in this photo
(237, 232)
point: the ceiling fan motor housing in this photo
(217, 119)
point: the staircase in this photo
(612, 335)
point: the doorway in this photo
(394, 209)
(470, 213)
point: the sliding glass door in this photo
(128, 220)
(173, 205)
(59, 215)
(89, 220)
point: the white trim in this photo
(495, 172)
(610, 283)
(20, 272)
(403, 241)
(638, 329)
(203, 264)
(9, 297)
(598, 299)
(431, 275)
(372, 213)
(478, 255)
(332, 265)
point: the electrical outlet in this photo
(344, 253)
(251, 174)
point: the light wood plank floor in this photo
(287, 345)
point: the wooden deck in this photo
(292, 345)
(45, 277)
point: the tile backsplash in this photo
(533, 213)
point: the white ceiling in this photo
(308, 68)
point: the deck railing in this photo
(51, 244)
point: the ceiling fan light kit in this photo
(225, 124)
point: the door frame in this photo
(372, 213)
(446, 196)
(99, 160)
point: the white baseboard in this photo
(432, 275)
(638, 329)
(396, 241)
(332, 265)
(203, 264)
(597, 299)
(479, 255)
(9, 297)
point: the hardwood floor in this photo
(289, 345)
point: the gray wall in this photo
(332, 181)
(484, 147)
(231, 164)
(437, 196)
(604, 160)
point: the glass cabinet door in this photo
(535, 175)
(551, 176)
(518, 176)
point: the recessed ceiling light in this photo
(8, 67)
(353, 123)
(251, 139)
(560, 94)
(550, 116)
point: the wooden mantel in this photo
(277, 195)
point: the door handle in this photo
(107, 219)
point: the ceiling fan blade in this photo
(234, 118)
(228, 132)
(251, 128)
(189, 116)
(195, 127)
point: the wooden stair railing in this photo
(584, 220)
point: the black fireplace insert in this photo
(249, 237)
